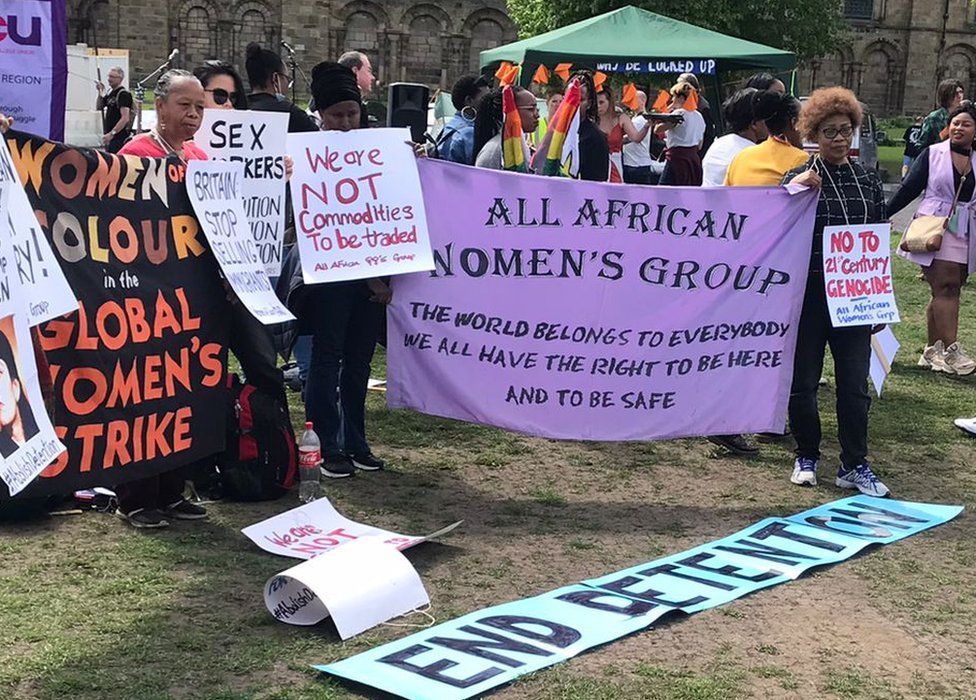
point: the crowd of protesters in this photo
(770, 139)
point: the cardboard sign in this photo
(44, 285)
(359, 211)
(214, 187)
(317, 527)
(359, 585)
(28, 442)
(593, 311)
(884, 347)
(139, 384)
(857, 275)
(450, 661)
(256, 139)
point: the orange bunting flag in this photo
(541, 76)
(513, 145)
(629, 98)
(510, 76)
(562, 70)
(661, 103)
(691, 102)
(598, 80)
(503, 70)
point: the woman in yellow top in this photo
(766, 163)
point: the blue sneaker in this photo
(863, 479)
(805, 472)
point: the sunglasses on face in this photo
(220, 96)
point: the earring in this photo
(469, 112)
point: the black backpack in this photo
(260, 462)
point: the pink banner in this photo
(592, 311)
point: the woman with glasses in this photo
(269, 86)
(849, 195)
(222, 84)
(939, 172)
(490, 119)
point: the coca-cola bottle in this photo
(309, 461)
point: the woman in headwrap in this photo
(343, 318)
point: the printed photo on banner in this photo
(44, 285)
(214, 187)
(359, 210)
(28, 442)
(258, 140)
(34, 65)
(139, 383)
(857, 275)
(581, 310)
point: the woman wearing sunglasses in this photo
(849, 195)
(222, 84)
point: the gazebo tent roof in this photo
(632, 35)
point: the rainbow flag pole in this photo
(513, 147)
(561, 157)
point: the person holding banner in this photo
(942, 174)
(180, 100)
(343, 318)
(490, 119)
(849, 195)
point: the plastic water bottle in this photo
(309, 461)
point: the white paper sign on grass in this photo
(256, 139)
(28, 443)
(316, 528)
(359, 209)
(214, 187)
(45, 288)
(360, 585)
(884, 347)
(857, 275)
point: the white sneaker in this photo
(804, 472)
(957, 361)
(967, 424)
(863, 479)
(933, 357)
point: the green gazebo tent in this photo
(631, 40)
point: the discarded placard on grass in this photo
(452, 661)
(376, 385)
(884, 347)
(317, 527)
(360, 585)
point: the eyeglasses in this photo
(831, 133)
(220, 96)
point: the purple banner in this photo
(591, 311)
(34, 65)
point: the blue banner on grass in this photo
(476, 652)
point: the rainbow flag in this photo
(513, 144)
(560, 147)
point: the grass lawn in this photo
(90, 609)
(890, 159)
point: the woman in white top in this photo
(683, 140)
(746, 130)
(637, 154)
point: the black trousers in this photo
(117, 142)
(637, 176)
(344, 325)
(152, 493)
(851, 350)
(253, 346)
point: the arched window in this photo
(362, 35)
(97, 25)
(859, 9)
(423, 55)
(253, 25)
(197, 30)
(485, 34)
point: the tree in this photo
(809, 28)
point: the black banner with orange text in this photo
(139, 368)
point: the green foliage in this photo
(809, 28)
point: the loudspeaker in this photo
(407, 106)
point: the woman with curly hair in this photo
(849, 195)
(939, 172)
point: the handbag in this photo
(925, 233)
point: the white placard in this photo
(28, 442)
(214, 187)
(256, 139)
(359, 585)
(884, 347)
(315, 528)
(45, 288)
(857, 275)
(359, 209)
